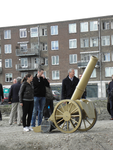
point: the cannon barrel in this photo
(84, 79)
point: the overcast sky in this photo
(22, 12)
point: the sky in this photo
(23, 12)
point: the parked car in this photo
(56, 95)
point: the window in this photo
(23, 74)
(23, 47)
(0, 49)
(8, 63)
(86, 57)
(54, 45)
(93, 75)
(24, 62)
(55, 60)
(84, 26)
(23, 33)
(44, 73)
(76, 72)
(111, 39)
(0, 36)
(108, 71)
(72, 43)
(55, 75)
(0, 62)
(105, 25)
(7, 34)
(73, 58)
(105, 40)
(93, 25)
(44, 46)
(46, 61)
(111, 24)
(44, 32)
(34, 45)
(72, 28)
(106, 57)
(93, 42)
(84, 43)
(34, 32)
(8, 77)
(8, 48)
(54, 30)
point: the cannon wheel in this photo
(87, 123)
(65, 114)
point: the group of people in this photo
(28, 96)
(34, 94)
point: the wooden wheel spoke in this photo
(62, 108)
(59, 116)
(67, 125)
(88, 121)
(70, 105)
(66, 106)
(75, 115)
(84, 123)
(75, 110)
(72, 124)
(60, 121)
(63, 124)
(74, 121)
(59, 111)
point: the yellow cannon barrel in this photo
(85, 78)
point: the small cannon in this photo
(73, 114)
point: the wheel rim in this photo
(87, 123)
(67, 116)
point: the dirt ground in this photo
(100, 137)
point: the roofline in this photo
(46, 23)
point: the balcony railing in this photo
(28, 67)
(27, 52)
(83, 64)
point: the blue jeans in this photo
(39, 103)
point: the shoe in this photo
(30, 128)
(10, 123)
(19, 124)
(111, 119)
(26, 129)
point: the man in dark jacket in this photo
(14, 99)
(69, 84)
(39, 84)
(110, 87)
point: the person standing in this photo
(26, 98)
(1, 94)
(69, 84)
(110, 97)
(39, 84)
(13, 99)
(49, 101)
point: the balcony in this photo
(83, 64)
(28, 67)
(27, 52)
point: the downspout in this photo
(100, 60)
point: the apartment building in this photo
(56, 47)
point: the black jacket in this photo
(13, 94)
(68, 87)
(1, 91)
(39, 86)
(110, 86)
(26, 92)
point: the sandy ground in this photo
(100, 137)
